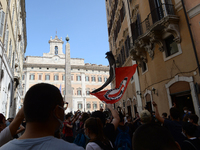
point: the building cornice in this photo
(23, 15)
(86, 67)
(194, 11)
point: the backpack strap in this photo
(104, 147)
(190, 144)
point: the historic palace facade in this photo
(84, 77)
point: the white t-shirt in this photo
(93, 146)
(5, 136)
(44, 143)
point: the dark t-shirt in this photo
(191, 144)
(197, 133)
(175, 127)
(131, 128)
(109, 132)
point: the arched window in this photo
(56, 50)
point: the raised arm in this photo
(115, 115)
(157, 115)
(21, 128)
(15, 124)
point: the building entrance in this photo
(183, 99)
(129, 110)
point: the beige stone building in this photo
(13, 41)
(154, 33)
(50, 68)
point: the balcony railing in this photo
(148, 32)
(156, 15)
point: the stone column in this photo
(68, 88)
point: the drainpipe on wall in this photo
(191, 36)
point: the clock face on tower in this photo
(56, 59)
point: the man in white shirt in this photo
(7, 133)
(44, 114)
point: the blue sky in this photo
(84, 21)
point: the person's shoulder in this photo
(66, 144)
(168, 122)
(109, 125)
(93, 146)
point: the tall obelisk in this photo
(68, 88)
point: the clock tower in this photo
(56, 48)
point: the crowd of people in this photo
(42, 124)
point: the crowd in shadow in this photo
(42, 124)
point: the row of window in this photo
(79, 92)
(56, 78)
(88, 106)
(64, 69)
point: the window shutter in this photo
(13, 60)
(10, 51)
(153, 8)
(133, 31)
(138, 24)
(121, 14)
(13, 14)
(2, 15)
(6, 40)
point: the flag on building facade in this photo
(122, 78)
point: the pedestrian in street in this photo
(93, 129)
(109, 129)
(44, 114)
(67, 129)
(152, 136)
(7, 133)
(192, 142)
(174, 125)
(194, 120)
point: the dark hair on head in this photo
(174, 112)
(194, 117)
(186, 117)
(68, 115)
(95, 126)
(121, 116)
(185, 108)
(85, 116)
(129, 117)
(1, 117)
(189, 128)
(164, 114)
(151, 136)
(100, 115)
(40, 101)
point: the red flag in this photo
(122, 76)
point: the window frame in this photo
(87, 77)
(99, 77)
(77, 78)
(56, 77)
(165, 57)
(32, 75)
(48, 76)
